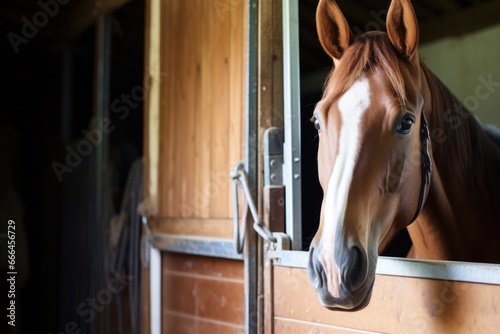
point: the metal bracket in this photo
(273, 157)
(275, 249)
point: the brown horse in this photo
(395, 147)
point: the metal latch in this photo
(273, 199)
(275, 249)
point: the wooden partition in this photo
(195, 114)
(202, 294)
(398, 305)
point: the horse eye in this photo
(405, 126)
(317, 124)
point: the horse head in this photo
(373, 162)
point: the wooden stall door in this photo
(398, 305)
(195, 114)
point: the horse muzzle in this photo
(353, 291)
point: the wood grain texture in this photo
(201, 106)
(270, 110)
(398, 305)
(205, 266)
(202, 294)
(203, 227)
(199, 135)
(237, 84)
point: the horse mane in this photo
(474, 148)
(370, 50)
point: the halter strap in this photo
(426, 164)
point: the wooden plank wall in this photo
(202, 96)
(398, 305)
(202, 295)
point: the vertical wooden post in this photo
(270, 89)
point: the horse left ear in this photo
(334, 33)
(402, 27)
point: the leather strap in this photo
(426, 164)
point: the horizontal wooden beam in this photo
(461, 22)
(202, 227)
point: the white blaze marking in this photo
(352, 106)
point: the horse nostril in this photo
(355, 269)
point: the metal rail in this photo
(196, 245)
(483, 273)
(292, 123)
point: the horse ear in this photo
(402, 27)
(333, 31)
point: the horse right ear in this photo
(333, 31)
(402, 27)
